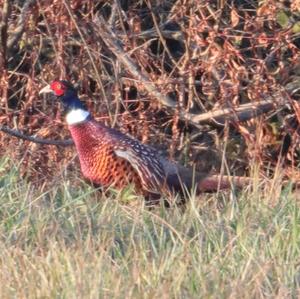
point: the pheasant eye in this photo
(58, 88)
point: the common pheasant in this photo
(109, 157)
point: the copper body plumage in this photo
(108, 157)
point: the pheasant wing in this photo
(146, 163)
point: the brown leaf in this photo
(235, 18)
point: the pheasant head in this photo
(67, 94)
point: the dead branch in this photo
(244, 112)
(18, 134)
(3, 33)
(241, 113)
(151, 33)
(110, 39)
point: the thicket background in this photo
(206, 56)
(215, 83)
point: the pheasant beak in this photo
(46, 89)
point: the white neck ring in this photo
(76, 116)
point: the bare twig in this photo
(110, 40)
(241, 113)
(67, 5)
(176, 35)
(18, 31)
(18, 134)
(161, 38)
(3, 33)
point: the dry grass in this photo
(71, 242)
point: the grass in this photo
(71, 242)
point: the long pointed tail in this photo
(180, 178)
(221, 182)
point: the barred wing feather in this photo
(146, 164)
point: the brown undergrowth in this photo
(204, 56)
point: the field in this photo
(66, 242)
(212, 85)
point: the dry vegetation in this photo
(194, 76)
(210, 83)
(66, 243)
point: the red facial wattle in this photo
(58, 88)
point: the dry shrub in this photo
(205, 55)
